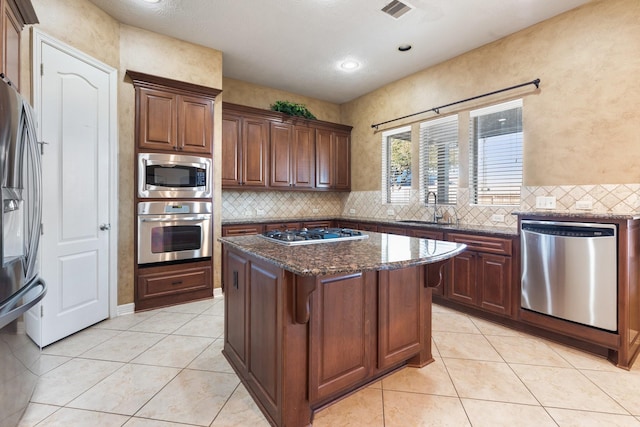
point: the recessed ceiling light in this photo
(404, 47)
(349, 65)
(152, 1)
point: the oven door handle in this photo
(170, 219)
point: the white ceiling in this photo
(297, 45)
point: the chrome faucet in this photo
(436, 217)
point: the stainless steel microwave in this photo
(174, 176)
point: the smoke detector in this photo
(396, 9)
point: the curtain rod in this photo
(436, 110)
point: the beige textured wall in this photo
(155, 54)
(580, 128)
(243, 93)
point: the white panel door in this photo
(75, 114)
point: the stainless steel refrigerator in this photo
(20, 221)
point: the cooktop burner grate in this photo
(315, 235)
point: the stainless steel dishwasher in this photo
(569, 271)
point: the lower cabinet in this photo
(242, 229)
(303, 341)
(172, 284)
(482, 276)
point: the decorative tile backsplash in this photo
(604, 198)
(247, 205)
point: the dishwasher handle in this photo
(569, 230)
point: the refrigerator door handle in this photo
(12, 309)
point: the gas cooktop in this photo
(311, 236)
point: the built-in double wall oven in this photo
(173, 226)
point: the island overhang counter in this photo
(307, 325)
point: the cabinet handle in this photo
(177, 282)
(235, 279)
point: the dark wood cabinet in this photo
(390, 229)
(245, 146)
(292, 156)
(341, 353)
(301, 342)
(173, 116)
(164, 285)
(282, 226)
(482, 276)
(15, 15)
(242, 229)
(333, 159)
(282, 152)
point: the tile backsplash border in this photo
(256, 205)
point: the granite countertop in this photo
(471, 228)
(378, 252)
(581, 215)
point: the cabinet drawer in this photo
(282, 226)
(318, 224)
(241, 230)
(493, 245)
(153, 285)
(367, 227)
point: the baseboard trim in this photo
(126, 309)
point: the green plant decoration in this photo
(292, 109)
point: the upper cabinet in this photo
(293, 154)
(15, 15)
(292, 162)
(173, 115)
(333, 164)
(245, 144)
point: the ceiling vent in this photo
(396, 9)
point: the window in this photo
(495, 154)
(439, 167)
(396, 165)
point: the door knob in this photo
(105, 227)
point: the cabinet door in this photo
(494, 283)
(282, 226)
(241, 230)
(281, 152)
(401, 326)
(302, 157)
(392, 230)
(231, 150)
(235, 279)
(157, 120)
(255, 148)
(325, 156)
(342, 162)
(10, 48)
(340, 334)
(461, 278)
(195, 124)
(367, 227)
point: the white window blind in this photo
(495, 154)
(439, 166)
(396, 165)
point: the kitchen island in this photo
(306, 325)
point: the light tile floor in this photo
(163, 368)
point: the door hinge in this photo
(42, 69)
(41, 310)
(42, 229)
